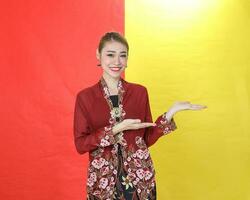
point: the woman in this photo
(113, 122)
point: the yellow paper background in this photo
(197, 51)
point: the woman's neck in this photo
(111, 83)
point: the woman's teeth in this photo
(115, 69)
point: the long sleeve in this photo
(163, 126)
(86, 140)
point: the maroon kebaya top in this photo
(93, 122)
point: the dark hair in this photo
(112, 36)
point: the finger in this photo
(136, 121)
(133, 121)
(141, 125)
(197, 107)
(144, 125)
(148, 124)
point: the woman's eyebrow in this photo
(115, 51)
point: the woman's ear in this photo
(97, 55)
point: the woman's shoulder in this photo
(87, 91)
(136, 86)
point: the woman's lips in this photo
(115, 69)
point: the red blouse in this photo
(93, 134)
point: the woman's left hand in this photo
(186, 105)
(182, 105)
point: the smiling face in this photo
(113, 59)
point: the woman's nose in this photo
(117, 60)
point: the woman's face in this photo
(113, 59)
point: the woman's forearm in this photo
(169, 114)
(117, 129)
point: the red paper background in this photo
(47, 55)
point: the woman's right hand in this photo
(129, 124)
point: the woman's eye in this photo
(110, 55)
(124, 56)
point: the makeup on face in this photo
(113, 59)
(116, 65)
(115, 69)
